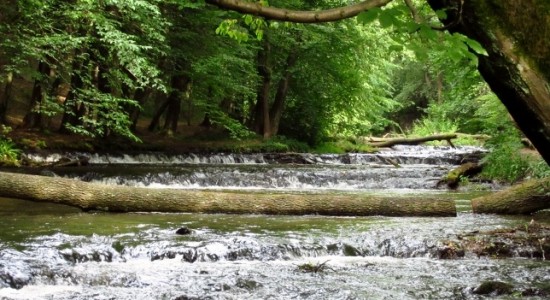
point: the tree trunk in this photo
(155, 121)
(413, 141)
(5, 98)
(180, 86)
(280, 96)
(516, 35)
(33, 119)
(273, 13)
(74, 111)
(189, 100)
(140, 95)
(89, 196)
(261, 117)
(173, 111)
(525, 198)
(452, 179)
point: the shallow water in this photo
(50, 251)
(55, 252)
(406, 168)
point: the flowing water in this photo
(50, 251)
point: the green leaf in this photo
(386, 20)
(248, 19)
(476, 46)
(428, 33)
(368, 16)
(396, 48)
(441, 14)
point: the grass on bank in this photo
(9, 152)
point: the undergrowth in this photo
(9, 153)
(507, 162)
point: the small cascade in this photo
(403, 168)
(433, 155)
(266, 177)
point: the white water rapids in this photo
(54, 252)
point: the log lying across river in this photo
(93, 196)
(413, 141)
(525, 198)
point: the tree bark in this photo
(90, 196)
(279, 14)
(525, 198)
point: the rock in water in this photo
(494, 288)
(183, 231)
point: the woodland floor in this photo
(194, 138)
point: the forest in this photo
(111, 69)
(255, 149)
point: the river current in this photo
(50, 251)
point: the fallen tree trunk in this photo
(452, 179)
(90, 196)
(415, 141)
(525, 198)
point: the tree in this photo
(517, 72)
(91, 196)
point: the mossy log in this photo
(92, 196)
(525, 198)
(414, 141)
(452, 179)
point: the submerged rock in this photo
(494, 288)
(248, 284)
(527, 241)
(184, 231)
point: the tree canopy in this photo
(95, 67)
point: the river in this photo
(50, 251)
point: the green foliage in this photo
(288, 144)
(343, 146)
(538, 168)
(329, 147)
(9, 154)
(429, 126)
(350, 78)
(505, 161)
(103, 50)
(236, 129)
(32, 144)
(232, 29)
(415, 33)
(341, 85)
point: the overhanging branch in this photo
(298, 16)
